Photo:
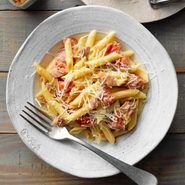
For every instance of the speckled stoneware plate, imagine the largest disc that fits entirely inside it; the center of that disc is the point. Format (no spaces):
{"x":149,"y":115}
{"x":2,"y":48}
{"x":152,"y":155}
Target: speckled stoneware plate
{"x":140,"y":9}
{"x":154,"y":121}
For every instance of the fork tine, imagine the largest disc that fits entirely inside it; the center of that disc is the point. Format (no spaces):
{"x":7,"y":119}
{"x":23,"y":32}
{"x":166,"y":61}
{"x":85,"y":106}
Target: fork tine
{"x":45,"y":122}
{"x":37,"y":120}
{"x":42,"y":112}
{"x":38,"y":126}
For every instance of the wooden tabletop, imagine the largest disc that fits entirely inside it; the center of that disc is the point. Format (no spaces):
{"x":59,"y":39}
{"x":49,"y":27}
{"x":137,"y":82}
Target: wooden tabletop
{"x":19,"y":166}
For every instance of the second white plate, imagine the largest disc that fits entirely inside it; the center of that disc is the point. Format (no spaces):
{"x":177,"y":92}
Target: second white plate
{"x":140,"y":9}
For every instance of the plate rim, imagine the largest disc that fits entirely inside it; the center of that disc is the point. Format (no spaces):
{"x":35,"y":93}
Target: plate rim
{"x":152,"y":20}
{"x":136,"y":22}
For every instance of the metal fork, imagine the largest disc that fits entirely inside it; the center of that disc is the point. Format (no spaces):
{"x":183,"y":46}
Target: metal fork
{"x":159,"y":3}
{"x":41,"y":121}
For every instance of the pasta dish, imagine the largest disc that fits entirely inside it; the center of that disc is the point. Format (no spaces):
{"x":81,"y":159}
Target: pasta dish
{"x":93,"y":86}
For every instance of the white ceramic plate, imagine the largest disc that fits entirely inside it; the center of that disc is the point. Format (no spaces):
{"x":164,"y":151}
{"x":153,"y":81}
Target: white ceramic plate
{"x":140,"y":9}
{"x":154,"y":121}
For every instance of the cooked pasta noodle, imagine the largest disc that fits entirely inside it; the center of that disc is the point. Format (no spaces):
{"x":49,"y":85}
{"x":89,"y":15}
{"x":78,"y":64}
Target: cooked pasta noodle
{"x":94,"y":87}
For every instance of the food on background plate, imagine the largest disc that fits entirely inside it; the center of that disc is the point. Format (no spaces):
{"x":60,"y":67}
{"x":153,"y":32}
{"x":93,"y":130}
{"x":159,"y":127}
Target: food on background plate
{"x":19,"y":1}
{"x":93,"y":87}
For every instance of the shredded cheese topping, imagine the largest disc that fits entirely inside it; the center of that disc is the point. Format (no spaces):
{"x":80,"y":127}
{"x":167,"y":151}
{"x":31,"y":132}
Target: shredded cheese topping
{"x":99,"y":95}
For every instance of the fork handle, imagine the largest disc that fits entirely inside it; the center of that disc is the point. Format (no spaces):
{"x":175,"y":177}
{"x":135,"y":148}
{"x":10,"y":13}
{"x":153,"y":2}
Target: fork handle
{"x":139,"y":176}
{"x":165,"y":1}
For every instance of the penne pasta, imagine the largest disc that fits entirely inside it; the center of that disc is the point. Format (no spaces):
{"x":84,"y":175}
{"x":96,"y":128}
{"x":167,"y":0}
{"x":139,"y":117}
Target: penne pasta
{"x":93,"y":87}
{"x":69,"y":54}
{"x":128,"y":53}
{"x":103,"y":60}
{"x":128,"y":93}
{"x":132,"y":123}
{"x":82,"y":42}
{"x":102,"y":43}
{"x":88,"y":134}
{"x":51,"y":64}
{"x":76,"y":130}
{"x":43,"y":73}
{"x":117,"y":133}
{"x":85,"y":94}
{"x":80,"y":64}
{"x":142,"y":73}
{"x":107,"y":133}
{"x":91,"y":39}
{"x":54,"y":104}
{"x":96,"y":132}
{"x":78,"y":113}
{"x":79,"y":73}
{"x":140,"y":105}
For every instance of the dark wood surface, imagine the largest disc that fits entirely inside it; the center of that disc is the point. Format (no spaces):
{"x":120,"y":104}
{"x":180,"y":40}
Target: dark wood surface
{"x":19,"y":166}
{"x":44,"y":5}
{"x":23,"y":167}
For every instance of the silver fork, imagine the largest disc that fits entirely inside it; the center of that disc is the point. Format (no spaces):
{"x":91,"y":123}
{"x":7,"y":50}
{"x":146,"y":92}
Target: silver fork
{"x":41,"y":121}
{"x":159,"y":3}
